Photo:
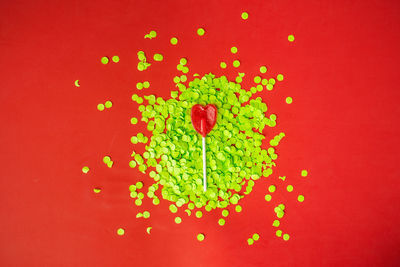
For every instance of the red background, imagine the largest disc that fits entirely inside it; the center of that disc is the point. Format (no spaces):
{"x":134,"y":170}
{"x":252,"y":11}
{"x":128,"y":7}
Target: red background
{"x":341,"y":71}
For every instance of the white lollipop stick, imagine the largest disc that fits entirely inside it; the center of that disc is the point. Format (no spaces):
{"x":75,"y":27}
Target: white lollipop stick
{"x":204,"y":165}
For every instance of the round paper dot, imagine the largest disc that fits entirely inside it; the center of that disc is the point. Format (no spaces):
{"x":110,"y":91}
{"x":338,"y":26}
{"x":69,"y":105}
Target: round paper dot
{"x":146,"y":84}
{"x":256,"y":236}
{"x":106,"y":159}
{"x":250,"y":241}
{"x":304,"y":173}
{"x":183,"y":61}
{"x":276,"y":223}
{"x":138,"y":202}
{"x":225,"y":213}
{"x":200,"y":237}
{"x":100,"y":107}
{"x":178,"y":220}
{"x":132,"y":164}
{"x":115,"y":59}
{"x":245,"y":15}
{"x":158,"y":57}
{"x":139,"y":86}
{"x":85,"y":169}
{"x":268,"y":197}
{"x":146,"y":214}
{"x":278,"y":233}
{"x":289,"y":188}
{"x":108,"y":104}
{"x":238,"y":208}
{"x":134,"y":120}
{"x":300,"y":198}
{"x":221,"y":222}
{"x":173,"y":208}
{"x":291,"y":38}
{"x":120,"y":231}
{"x":234,"y":49}
{"x":279,"y":77}
{"x":153,"y":34}
{"x":104,"y":60}
{"x":200,"y":31}
{"x":286,"y":237}
{"x":236,"y":63}
{"x":174,"y":40}
{"x":222,"y":65}
{"x":289,"y":100}
{"x":199,"y":214}
{"x":263,"y":69}
{"x":272,"y":188}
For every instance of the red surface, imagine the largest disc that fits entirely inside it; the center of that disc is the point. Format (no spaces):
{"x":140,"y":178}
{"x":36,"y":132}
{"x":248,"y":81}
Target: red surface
{"x":204,"y":118}
{"x":342,"y":72}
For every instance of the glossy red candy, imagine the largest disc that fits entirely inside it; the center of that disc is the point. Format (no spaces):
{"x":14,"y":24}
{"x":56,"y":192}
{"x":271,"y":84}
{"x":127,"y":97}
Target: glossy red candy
{"x":204,"y":118}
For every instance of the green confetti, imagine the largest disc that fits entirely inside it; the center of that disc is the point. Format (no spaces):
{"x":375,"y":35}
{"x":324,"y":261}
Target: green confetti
{"x":104,"y":60}
{"x":100,"y":107}
{"x":234,"y":49}
{"x":221,"y":221}
{"x":286,"y":237}
{"x":289,"y":100}
{"x":289,"y":188}
{"x":250,"y":241}
{"x":245,"y":15}
{"x":178,"y":220}
{"x":200,"y":31}
{"x":120,"y":231}
{"x":300,"y":198}
{"x":85,"y":169}
{"x":291,"y":38}
{"x":200,"y":237}
{"x":158,"y":57}
{"x":174,"y":41}
{"x":108,"y":104}
{"x":256,"y":237}
{"x":115,"y":59}
{"x":304,"y":173}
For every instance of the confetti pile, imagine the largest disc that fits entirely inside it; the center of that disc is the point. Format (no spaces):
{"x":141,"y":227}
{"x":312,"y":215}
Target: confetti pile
{"x":237,"y":153}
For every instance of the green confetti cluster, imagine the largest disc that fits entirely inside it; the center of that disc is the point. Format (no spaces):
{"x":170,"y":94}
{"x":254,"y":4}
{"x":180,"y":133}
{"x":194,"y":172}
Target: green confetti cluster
{"x":173,"y":157}
{"x":142,"y":64}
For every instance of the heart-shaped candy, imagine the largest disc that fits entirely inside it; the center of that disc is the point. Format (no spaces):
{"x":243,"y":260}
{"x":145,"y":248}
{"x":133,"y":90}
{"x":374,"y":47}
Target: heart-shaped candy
{"x":204,"y":118}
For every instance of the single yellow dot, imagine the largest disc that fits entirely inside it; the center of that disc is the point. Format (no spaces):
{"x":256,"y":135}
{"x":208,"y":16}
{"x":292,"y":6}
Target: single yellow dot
{"x":245,"y":15}
{"x":174,"y":41}
{"x":222,"y":65}
{"x":85,"y":169}
{"x":272,"y":188}
{"x":300,"y":198}
{"x":115,"y":59}
{"x":289,"y":100}
{"x":104,"y":60}
{"x":236,"y":63}
{"x":304,"y":173}
{"x":268,"y":197}
{"x":286,"y":237}
{"x":200,"y":237}
{"x":263,"y":69}
{"x":97,"y":190}
{"x":108,"y":104}
{"x":234,"y":50}
{"x":289,"y":188}
{"x":291,"y":38}
{"x":100,"y":107}
{"x":279,"y":77}
{"x":120,"y":231}
{"x":200,"y":31}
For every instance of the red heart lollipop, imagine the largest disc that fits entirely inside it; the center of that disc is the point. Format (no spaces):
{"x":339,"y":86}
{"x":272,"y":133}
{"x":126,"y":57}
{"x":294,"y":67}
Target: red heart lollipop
{"x":204,"y":118}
